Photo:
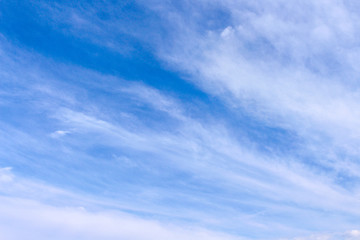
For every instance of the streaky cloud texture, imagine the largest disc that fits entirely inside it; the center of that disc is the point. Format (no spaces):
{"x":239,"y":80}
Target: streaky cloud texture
{"x":179,"y":120}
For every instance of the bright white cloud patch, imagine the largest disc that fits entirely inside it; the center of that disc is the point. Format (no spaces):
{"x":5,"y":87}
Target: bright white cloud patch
{"x":59,"y":133}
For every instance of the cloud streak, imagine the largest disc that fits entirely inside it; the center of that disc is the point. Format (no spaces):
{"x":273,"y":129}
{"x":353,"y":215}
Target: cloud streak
{"x":211,"y":162}
{"x":40,"y":220}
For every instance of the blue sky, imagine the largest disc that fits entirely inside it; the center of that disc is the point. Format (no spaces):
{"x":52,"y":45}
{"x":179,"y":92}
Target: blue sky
{"x":180,"y":120}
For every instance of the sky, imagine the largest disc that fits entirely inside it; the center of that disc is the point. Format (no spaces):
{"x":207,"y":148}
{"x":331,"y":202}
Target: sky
{"x":179,"y":119}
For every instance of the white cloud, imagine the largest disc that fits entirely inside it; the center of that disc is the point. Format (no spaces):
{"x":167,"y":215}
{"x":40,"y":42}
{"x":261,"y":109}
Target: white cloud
{"x":285,"y":197}
{"x":348,"y":235}
{"x":227,"y":32}
{"x":290,"y":68}
{"x":40,"y":220}
{"x":5,"y":175}
{"x":59,"y":133}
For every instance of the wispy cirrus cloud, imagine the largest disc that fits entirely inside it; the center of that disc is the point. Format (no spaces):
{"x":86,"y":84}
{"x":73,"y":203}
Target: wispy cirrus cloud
{"x":292,"y":70}
{"x":71,"y":220}
{"x":206,"y":156}
{"x":269,"y":152}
